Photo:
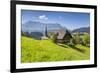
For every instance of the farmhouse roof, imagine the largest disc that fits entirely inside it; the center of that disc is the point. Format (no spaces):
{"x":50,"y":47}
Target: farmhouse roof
{"x":61,"y":33}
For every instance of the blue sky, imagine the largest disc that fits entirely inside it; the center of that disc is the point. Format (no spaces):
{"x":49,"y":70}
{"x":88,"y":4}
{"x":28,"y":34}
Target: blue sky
{"x":70,"y":20}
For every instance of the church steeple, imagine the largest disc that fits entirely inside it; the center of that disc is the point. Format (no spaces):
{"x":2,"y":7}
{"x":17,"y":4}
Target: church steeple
{"x":45,"y":36}
{"x":46,"y":31}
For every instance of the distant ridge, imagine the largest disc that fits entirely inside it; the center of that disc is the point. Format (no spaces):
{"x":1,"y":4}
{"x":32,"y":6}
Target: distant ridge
{"x":34,"y":26}
{"x":82,"y":30}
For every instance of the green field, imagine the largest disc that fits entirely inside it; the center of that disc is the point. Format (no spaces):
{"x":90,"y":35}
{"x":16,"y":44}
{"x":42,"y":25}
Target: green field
{"x":45,"y":51}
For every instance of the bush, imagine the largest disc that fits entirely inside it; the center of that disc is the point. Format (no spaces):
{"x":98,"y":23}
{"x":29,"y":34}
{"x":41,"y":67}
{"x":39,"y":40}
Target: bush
{"x":76,"y":38}
{"x":86,"y":39}
{"x":72,"y":42}
{"x":54,"y":38}
{"x":23,"y":33}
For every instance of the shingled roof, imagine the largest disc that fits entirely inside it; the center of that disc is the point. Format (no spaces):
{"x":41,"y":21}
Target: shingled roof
{"x":61,"y":33}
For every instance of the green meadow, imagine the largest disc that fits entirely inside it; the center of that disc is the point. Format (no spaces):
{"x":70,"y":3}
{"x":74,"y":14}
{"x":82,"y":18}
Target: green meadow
{"x":46,"y":51}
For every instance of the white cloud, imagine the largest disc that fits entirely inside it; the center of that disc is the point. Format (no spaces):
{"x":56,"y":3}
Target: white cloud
{"x":43,"y":17}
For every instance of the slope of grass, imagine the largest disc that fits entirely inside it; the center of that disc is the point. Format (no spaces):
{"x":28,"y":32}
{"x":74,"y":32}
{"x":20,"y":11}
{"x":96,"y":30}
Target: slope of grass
{"x":45,"y":50}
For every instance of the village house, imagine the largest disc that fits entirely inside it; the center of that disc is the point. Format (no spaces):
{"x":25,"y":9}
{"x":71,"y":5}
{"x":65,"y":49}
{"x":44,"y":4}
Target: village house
{"x":63,"y":36}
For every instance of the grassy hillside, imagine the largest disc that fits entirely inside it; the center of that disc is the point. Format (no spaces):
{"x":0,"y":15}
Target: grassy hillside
{"x":45,"y":50}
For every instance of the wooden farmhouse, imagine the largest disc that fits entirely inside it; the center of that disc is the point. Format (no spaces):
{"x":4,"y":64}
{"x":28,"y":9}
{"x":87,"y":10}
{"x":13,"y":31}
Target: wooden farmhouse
{"x":63,"y":36}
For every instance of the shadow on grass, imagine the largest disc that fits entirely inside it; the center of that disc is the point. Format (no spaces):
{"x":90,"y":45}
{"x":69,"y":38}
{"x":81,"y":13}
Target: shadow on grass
{"x":63,"y":46}
{"x":73,"y":47}
{"x":78,"y":49}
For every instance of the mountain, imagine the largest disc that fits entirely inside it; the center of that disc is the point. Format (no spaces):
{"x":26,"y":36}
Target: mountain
{"x":33,"y":26}
{"x":82,"y":30}
{"x":37,"y":29}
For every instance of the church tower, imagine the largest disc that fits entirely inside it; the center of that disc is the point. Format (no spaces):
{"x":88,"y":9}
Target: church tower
{"x":45,"y":36}
{"x":46,"y":33}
